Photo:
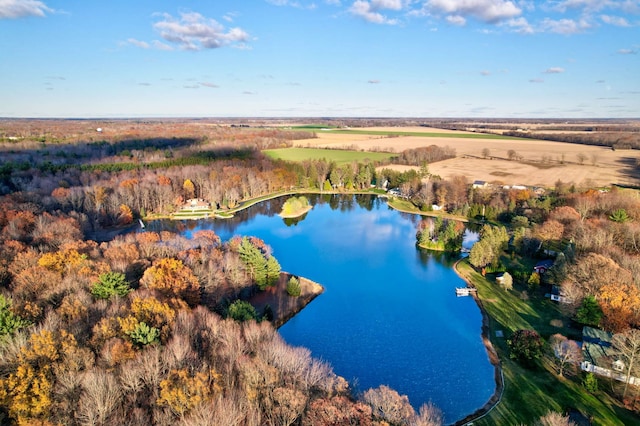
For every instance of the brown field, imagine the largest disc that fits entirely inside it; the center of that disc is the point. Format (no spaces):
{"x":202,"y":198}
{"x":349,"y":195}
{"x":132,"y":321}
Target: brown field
{"x":543,"y":162}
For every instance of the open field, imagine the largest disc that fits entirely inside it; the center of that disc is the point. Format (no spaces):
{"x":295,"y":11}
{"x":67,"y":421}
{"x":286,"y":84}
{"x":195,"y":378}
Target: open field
{"x":543,"y":162}
{"x":339,"y":156}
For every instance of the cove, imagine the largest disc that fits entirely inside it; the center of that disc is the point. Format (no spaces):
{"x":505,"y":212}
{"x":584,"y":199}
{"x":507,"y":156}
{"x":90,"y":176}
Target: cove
{"x":389,"y":314}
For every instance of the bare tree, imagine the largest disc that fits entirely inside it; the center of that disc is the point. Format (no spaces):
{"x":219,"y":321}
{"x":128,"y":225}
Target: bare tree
{"x":512,"y":154}
{"x":100,"y":398}
{"x":553,"y":418}
{"x":581,"y":157}
{"x":627,"y":346}
{"x":388,"y":405}
{"x":486,"y":152}
{"x":428,"y":415}
{"x":566,"y":351}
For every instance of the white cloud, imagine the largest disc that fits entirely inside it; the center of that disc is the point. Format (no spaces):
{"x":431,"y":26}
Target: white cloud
{"x":211,"y":85}
{"x":536,"y":80}
{"x":519,"y":25}
{"x":14,"y":9}
{"x":456,"y":20}
{"x":192,"y":31}
{"x":627,"y":52}
{"x":564,"y":26}
{"x":369,"y":12}
{"x":387,"y":4}
{"x":485,"y":73}
{"x":554,"y":70}
{"x":138,"y":43}
{"x":373,"y":81}
{"x":490,"y":11}
{"x":618,"y":21}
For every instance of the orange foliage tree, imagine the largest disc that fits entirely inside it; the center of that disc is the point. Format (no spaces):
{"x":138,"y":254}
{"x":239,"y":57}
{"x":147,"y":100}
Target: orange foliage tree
{"x":172,"y":278}
{"x":620,"y":305}
{"x":183,"y":390}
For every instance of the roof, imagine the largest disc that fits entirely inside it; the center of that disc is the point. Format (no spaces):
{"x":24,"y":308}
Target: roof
{"x":596,"y":346}
{"x":595,"y":335}
{"x":547,"y":263}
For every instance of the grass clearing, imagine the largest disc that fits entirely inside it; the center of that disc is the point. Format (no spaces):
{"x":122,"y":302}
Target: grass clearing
{"x":529,"y":394}
{"x":337,"y":155}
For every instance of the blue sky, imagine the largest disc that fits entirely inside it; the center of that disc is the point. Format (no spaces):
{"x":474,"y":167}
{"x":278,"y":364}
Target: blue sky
{"x":334,"y":58}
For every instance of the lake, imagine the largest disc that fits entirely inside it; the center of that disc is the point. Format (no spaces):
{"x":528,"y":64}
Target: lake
{"x":389,"y":314}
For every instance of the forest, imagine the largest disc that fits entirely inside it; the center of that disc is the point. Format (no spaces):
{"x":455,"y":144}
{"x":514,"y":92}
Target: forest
{"x":139,"y":328}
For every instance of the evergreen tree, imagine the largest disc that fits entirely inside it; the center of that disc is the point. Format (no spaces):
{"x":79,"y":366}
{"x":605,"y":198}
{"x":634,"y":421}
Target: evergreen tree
{"x":589,"y":312}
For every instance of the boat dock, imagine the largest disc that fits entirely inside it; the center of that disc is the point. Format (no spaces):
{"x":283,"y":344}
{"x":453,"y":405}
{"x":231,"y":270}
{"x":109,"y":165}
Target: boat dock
{"x":465,"y":291}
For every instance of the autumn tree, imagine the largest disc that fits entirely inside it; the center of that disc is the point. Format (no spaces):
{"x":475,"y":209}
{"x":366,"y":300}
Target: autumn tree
{"x":550,"y":230}
{"x":172,"y":278}
{"x":189,"y":189}
{"x":620,"y":305}
{"x":183,"y":390}
{"x":125,"y":216}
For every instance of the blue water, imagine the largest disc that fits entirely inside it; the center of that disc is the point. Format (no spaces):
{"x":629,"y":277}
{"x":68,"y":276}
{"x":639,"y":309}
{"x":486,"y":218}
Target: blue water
{"x":389,"y":314}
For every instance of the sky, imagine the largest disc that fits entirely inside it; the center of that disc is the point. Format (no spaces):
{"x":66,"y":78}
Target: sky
{"x":320,"y":58}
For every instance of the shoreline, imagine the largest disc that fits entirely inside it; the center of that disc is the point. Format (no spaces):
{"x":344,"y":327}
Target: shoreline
{"x":494,"y":359}
{"x":227,"y":214}
{"x":285,"y":307}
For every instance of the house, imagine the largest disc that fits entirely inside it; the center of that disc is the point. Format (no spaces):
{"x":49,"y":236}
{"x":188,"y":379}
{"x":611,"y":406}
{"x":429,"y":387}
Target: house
{"x":557,"y":295}
{"x":479,"y":184}
{"x":600,"y":358}
{"x":196,"y":204}
{"x":543,"y":266}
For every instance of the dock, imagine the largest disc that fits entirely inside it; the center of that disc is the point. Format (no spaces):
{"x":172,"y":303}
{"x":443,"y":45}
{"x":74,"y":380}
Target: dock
{"x":465,"y":291}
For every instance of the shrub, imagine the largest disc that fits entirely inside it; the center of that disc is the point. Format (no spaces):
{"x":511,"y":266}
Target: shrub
{"x":525,"y":346}
{"x":590,"y":383}
{"x":9,"y":322}
{"x":143,"y":334}
{"x":293,"y":287}
{"x":241,"y":311}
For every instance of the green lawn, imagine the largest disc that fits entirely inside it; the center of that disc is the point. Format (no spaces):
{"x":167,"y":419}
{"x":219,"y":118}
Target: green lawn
{"x":529,"y":394}
{"x":338,"y":155}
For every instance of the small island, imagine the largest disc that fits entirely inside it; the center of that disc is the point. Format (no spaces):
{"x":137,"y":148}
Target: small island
{"x":440,"y":234}
{"x":295,"y":207}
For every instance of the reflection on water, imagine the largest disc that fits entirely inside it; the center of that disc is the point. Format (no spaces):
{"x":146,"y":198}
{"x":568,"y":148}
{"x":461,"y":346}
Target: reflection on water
{"x":389,"y":314}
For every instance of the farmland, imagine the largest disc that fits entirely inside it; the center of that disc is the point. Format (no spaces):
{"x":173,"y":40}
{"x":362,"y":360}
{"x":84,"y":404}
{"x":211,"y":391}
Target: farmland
{"x":540,"y":162}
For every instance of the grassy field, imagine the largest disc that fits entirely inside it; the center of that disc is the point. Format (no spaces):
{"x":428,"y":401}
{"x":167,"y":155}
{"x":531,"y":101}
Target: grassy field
{"x":529,"y":394}
{"x":339,"y":156}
